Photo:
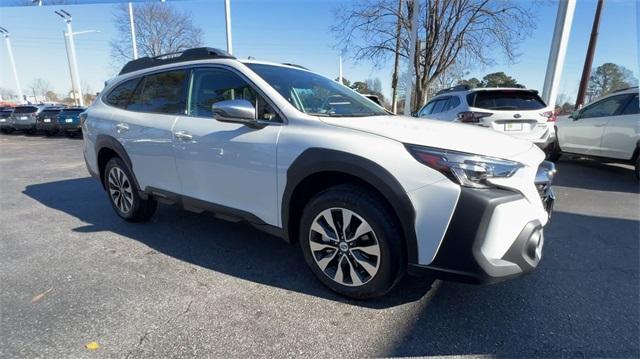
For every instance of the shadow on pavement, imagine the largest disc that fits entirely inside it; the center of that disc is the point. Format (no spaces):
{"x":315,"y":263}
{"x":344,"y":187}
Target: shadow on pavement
{"x":593,"y":175}
{"x":573,"y":305}
{"x":235,"y":249}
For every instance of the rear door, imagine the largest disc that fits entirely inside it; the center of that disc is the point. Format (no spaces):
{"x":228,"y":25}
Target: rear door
{"x":583,"y":134}
{"x":145,"y":127}
{"x":621,"y":132}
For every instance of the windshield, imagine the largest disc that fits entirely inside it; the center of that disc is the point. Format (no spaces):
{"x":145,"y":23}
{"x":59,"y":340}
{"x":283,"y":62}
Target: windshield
{"x":314,"y":94}
{"x":71,"y":112}
{"x":25,"y":109}
{"x":505,"y":100}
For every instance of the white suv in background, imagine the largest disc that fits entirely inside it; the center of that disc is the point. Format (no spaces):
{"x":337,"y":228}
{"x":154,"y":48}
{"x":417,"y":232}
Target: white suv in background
{"x":515,"y":111}
{"x":607,"y":129}
{"x":369,"y":196}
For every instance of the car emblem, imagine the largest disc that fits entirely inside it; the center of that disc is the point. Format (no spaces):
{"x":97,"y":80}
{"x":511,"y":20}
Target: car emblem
{"x":517,"y":115}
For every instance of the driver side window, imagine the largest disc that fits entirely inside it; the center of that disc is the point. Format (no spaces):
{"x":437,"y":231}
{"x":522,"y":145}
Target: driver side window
{"x":604,"y":108}
{"x":211,"y":85}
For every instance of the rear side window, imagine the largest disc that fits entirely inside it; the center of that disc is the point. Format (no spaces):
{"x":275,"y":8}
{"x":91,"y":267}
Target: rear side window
{"x":439,"y":105}
{"x":505,"y":100}
{"x":25,"y":109}
{"x":633,"y":107}
{"x":454,"y":102}
{"x":121,"y":95}
{"x":161,"y":93}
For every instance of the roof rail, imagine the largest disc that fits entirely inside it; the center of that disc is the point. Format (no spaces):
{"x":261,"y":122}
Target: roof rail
{"x":294,"y":65}
{"x":625,"y":89}
{"x":454,"y":88}
{"x":198,"y":53}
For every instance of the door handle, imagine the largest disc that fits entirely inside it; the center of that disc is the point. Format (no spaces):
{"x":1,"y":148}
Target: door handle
{"x":600,"y":125}
{"x":183,"y":136}
{"x":122,"y":127}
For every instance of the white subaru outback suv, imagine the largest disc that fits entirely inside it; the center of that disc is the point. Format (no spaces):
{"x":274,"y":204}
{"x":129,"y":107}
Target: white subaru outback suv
{"x":518,"y":112}
{"x":369,"y":196}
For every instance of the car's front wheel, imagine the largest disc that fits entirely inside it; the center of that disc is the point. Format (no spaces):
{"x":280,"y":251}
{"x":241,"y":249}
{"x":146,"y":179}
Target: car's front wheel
{"x":123,"y":194}
{"x":351,"y":241}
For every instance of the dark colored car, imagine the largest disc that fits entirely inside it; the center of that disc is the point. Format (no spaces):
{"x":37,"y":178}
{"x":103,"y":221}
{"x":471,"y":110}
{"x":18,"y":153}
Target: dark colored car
{"x":47,"y":120}
{"x":23,"y":118}
{"x":69,"y":121}
{"x":5,"y":126}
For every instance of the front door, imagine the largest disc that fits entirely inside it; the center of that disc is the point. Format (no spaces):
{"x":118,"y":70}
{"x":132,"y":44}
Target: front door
{"x":223,"y":163}
{"x":620,"y":137}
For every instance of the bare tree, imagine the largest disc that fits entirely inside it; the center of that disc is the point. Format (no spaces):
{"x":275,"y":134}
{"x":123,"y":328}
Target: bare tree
{"x":40,"y":87}
{"x":159,"y":27}
{"x":7,"y":94}
{"x":464,"y":32}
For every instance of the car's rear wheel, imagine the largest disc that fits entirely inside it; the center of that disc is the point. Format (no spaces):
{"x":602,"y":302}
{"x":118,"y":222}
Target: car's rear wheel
{"x":123,"y":194}
{"x":350,"y":239}
{"x":553,"y":151}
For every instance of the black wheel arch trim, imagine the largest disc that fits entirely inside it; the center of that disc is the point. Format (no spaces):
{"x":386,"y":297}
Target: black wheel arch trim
{"x":108,"y":142}
{"x":317,"y":160}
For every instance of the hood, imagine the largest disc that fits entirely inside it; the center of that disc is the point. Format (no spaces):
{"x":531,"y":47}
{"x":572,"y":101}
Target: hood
{"x":438,"y":134}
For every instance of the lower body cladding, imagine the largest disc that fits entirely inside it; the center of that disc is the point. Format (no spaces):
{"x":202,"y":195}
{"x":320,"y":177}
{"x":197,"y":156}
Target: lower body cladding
{"x":493,"y":235}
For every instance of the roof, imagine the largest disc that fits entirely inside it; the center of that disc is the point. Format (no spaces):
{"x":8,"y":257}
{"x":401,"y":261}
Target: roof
{"x":198,"y":53}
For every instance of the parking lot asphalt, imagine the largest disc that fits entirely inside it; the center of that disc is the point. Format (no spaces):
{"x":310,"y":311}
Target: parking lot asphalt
{"x":185,"y":284}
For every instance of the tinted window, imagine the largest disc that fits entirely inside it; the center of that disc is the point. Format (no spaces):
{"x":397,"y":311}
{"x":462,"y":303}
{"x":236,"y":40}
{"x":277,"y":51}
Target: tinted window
{"x":25,"y":109}
{"x":606,"y":107}
{"x":427,"y":108}
{"x":161,"y":93}
{"x":439,"y":105}
{"x":505,"y":100}
{"x":633,"y":107}
{"x":209,"y":86}
{"x":454,"y":102}
{"x":121,"y":95}
{"x":49,"y":112}
{"x":71,"y":112}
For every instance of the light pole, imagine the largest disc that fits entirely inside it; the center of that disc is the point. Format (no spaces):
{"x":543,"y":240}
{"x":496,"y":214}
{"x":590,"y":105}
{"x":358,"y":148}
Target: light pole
{"x":6,"y":34}
{"x":72,"y":50}
{"x":412,"y":55}
{"x":133,"y":32}
{"x":227,"y":16}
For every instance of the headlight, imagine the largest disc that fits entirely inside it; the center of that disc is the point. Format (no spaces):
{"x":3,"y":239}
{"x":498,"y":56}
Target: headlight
{"x":466,"y":169}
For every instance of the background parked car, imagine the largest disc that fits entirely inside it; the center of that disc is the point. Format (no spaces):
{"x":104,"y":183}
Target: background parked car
{"x":516,"y":111}
{"x":69,"y":121}
{"x":5,"y":126}
{"x":23,"y":118}
{"x":47,"y":120}
{"x":606,"y":129}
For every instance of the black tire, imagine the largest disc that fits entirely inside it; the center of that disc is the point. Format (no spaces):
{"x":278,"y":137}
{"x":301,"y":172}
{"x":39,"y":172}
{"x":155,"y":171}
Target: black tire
{"x":50,"y":133}
{"x":386,"y":232}
{"x":553,"y":151}
{"x":138,"y":209}
{"x":637,"y":169}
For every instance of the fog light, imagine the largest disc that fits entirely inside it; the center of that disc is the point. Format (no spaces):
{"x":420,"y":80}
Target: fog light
{"x":533,"y":243}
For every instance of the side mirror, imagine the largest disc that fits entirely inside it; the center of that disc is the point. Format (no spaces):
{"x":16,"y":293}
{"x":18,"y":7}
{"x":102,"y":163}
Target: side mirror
{"x":414,"y":114}
{"x":235,"y":111}
{"x":575,"y":115}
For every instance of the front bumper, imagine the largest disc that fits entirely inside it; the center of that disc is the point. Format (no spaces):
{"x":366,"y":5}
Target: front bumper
{"x":492,"y":236}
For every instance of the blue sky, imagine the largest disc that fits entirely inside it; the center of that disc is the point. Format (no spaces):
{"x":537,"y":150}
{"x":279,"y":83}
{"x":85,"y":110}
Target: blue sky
{"x":292,"y":31}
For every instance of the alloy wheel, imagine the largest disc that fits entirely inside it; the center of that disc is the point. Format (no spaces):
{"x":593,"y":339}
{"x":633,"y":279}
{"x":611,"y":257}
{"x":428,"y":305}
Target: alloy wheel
{"x":120,"y":190}
{"x":344,"y":246}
